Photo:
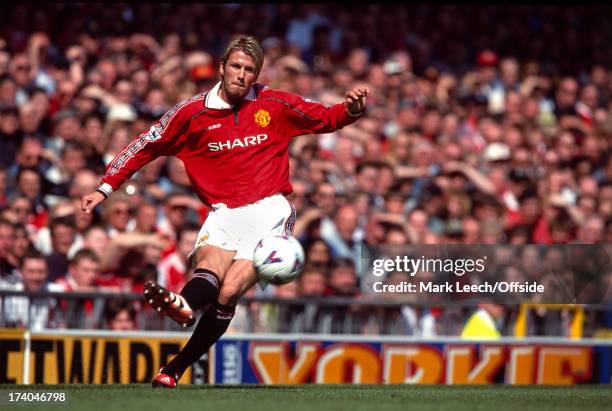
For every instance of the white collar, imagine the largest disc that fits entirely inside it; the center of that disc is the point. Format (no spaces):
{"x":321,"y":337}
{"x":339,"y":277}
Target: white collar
{"x":214,"y":101}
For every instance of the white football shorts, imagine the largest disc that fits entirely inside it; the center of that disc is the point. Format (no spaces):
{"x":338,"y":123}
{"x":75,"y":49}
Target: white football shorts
{"x":240,"y":229}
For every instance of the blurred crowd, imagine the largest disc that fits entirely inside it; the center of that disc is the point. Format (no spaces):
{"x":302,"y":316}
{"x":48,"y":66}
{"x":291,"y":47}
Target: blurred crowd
{"x":485,"y":125}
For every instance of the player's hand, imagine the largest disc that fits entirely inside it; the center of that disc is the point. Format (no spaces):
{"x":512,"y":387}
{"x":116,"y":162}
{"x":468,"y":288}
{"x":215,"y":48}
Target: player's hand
{"x":356,"y":100}
{"x":91,"y":200}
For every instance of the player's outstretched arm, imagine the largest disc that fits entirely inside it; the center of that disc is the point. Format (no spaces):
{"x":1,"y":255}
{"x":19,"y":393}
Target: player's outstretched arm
{"x":164,"y":138}
{"x":91,"y":200}
{"x":304,"y":116}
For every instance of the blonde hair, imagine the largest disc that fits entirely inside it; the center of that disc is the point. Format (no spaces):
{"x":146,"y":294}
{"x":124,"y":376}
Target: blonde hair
{"x":249,"y":46}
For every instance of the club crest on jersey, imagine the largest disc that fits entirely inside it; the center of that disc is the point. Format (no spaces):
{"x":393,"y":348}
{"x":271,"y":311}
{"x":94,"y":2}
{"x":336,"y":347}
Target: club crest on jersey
{"x":262,"y":118}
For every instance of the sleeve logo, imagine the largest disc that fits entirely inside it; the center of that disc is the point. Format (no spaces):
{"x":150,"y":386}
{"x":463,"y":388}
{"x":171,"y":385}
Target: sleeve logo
{"x":262,"y":118}
{"x":153,"y":134}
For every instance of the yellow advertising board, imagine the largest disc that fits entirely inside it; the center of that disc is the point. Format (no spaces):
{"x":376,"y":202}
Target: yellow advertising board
{"x":85,"y":358}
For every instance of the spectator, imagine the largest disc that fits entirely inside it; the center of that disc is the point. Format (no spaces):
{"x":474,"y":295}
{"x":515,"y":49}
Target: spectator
{"x":29,"y":184}
{"x":63,"y":234}
{"x":7,"y":238}
{"x":120,"y":315}
{"x":117,"y":214}
{"x":35,"y":313}
{"x":591,"y":231}
{"x":343,"y":279}
{"x":317,"y":253}
{"x":82,"y":276}
{"x":339,"y":234}
{"x":71,"y":161}
{"x":483,"y":324}
{"x":176,"y":208}
{"x":173,"y":269}
{"x":83,"y":271}
{"x":3,"y":187}
{"x":96,"y":239}
{"x":10,"y":134}
{"x":343,"y":283}
{"x":313,"y":282}
{"x":7,"y":90}
{"x":19,"y":248}
{"x":31,"y":121}
{"x":22,"y":209}
{"x":325,"y":199}
{"x":29,"y":155}
{"x":130,"y":259}
{"x":565,"y":97}
{"x":21,"y":72}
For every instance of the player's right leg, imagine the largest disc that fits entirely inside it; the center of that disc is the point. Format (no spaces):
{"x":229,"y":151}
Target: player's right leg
{"x":199,"y":292}
{"x":234,"y":229}
{"x":215,"y":321}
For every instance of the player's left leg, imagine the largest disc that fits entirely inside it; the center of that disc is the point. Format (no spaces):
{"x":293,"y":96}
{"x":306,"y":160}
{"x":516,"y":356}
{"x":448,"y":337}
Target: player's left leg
{"x":212,"y":325}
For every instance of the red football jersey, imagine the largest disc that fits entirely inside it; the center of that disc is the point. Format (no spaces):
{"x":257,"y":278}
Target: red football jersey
{"x":233,"y":155}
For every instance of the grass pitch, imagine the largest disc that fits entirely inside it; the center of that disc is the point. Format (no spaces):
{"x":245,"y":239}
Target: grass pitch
{"x":323,"y":397}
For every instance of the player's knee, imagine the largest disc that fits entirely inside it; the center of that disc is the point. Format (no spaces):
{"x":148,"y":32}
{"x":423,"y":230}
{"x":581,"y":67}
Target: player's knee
{"x":213,"y":259}
{"x":230,"y":293}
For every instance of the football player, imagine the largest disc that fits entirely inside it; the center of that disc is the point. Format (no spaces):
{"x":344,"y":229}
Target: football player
{"x":233,"y":140}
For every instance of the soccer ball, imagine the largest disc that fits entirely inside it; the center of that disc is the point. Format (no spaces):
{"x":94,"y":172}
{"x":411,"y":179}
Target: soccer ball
{"x":278,"y":259}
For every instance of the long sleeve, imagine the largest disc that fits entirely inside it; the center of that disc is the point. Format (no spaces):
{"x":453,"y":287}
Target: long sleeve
{"x":162,"y":139}
{"x":304,"y":116}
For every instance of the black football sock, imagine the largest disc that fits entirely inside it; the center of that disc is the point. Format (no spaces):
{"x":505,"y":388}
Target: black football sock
{"x":210,"y":328}
{"x":202,"y":289}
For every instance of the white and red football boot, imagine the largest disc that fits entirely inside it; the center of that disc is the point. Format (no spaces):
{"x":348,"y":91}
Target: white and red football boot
{"x":166,"y":302}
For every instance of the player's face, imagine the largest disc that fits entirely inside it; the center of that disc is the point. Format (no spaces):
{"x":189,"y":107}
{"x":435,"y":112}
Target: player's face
{"x":238,"y":75}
